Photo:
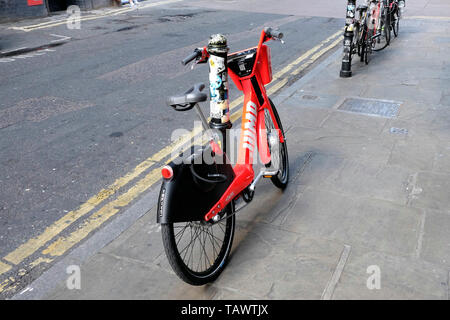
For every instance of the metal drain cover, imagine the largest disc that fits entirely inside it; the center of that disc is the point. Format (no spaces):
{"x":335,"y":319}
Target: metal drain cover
{"x":381,"y":108}
{"x":394,"y":130}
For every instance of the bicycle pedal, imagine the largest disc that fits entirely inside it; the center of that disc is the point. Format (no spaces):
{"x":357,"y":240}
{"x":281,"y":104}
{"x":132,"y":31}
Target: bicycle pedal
{"x":262,"y":173}
{"x":270,"y":174}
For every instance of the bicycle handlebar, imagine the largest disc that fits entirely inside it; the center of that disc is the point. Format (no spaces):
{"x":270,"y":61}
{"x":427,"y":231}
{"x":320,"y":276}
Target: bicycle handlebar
{"x":196,"y":54}
{"x":273,"y":33}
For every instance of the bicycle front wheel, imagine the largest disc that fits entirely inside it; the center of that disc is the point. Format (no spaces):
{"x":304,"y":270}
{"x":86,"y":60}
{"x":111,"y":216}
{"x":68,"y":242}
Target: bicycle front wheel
{"x":278,"y":151}
{"x":198,"y":251}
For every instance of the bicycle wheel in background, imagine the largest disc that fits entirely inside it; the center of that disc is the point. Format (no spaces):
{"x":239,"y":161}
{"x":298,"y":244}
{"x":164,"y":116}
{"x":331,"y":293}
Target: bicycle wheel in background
{"x":363,"y":44}
{"x":368,"y":45}
{"x":356,"y":47}
{"x":198,"y":251}
{"x":383,"y":37}
{"x":396,"y":21}
{"x":387,"y":24}
{"x":367,"y":51}
{"x":361,"y":50}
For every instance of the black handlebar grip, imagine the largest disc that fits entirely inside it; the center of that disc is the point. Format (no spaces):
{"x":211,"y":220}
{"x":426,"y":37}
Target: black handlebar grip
{"x":273,"y":33}
{"x":191,"y":57}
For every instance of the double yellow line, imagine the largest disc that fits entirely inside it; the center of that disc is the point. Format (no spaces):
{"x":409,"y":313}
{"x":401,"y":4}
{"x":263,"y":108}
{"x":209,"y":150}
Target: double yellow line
{"x":63,"y":243}
{"x":111,"y":13}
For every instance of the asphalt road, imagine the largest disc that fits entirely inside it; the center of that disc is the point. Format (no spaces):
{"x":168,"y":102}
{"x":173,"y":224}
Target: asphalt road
{"x":81,"y":115}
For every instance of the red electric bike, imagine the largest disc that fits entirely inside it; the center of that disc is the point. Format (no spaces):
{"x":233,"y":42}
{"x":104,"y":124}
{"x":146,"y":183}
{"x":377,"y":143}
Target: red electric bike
{"x":201,"y":193}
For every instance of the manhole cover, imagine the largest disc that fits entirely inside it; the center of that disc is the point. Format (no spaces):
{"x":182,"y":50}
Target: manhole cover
{"x":381,"y":108}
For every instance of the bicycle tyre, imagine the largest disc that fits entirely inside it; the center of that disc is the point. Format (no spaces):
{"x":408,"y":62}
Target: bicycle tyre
{"x":183,"y":269}
{"x":356,"y":44}
{"x":367,"y":52}
{"x":396,"y":23}
{"x":387,"y":25}
{"x":363,"y":46}
{"x":282,"y":178}
{"x":362,"y":49}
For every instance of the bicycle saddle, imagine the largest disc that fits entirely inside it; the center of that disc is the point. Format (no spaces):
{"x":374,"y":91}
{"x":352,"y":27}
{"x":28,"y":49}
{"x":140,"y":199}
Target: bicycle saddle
{"x":189,"y":99}
{"x":362,"y":7}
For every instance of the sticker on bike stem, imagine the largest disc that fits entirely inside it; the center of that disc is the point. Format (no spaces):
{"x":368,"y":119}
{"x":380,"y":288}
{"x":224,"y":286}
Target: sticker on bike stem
{"x":218,"y":83}
{"x":215,"y":85}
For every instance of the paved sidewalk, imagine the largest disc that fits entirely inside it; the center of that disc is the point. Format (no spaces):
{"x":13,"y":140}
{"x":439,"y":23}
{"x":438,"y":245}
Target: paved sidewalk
{"x":367,"y":192}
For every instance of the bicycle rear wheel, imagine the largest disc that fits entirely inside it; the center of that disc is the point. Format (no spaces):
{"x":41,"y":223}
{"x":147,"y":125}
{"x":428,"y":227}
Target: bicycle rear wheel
{"x":278,"y":151}
{"x":198,"y":251}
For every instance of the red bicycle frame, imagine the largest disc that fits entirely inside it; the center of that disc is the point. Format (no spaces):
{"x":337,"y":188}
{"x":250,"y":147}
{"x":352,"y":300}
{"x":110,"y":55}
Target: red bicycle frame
{"x":376,"y":12}
{"x":253,"y":134}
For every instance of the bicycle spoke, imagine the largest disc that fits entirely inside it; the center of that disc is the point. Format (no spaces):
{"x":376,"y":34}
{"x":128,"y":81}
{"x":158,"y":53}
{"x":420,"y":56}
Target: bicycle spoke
{"x":182,"y":233}
{"x":192,"y":241}
{"x":191,"y":257}
{"x":199,"y":260}
{"x":186,"y":247}
{"x":204,"y":250}
{"x":220,"y":224}
{"x":211,"y":236}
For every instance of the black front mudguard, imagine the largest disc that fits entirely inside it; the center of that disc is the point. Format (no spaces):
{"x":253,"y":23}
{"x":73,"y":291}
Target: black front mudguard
{"x":185,"y":197}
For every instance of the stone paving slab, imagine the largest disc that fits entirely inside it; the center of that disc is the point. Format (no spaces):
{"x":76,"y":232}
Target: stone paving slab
{"x":401,"y":278}
{"x":435,"y":246}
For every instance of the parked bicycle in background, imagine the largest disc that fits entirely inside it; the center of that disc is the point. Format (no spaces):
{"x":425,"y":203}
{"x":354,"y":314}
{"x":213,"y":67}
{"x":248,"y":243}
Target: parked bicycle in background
{"x":368,"y":28}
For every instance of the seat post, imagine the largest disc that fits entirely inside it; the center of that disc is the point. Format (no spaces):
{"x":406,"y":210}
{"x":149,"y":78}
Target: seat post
{"x":202,"y":117}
